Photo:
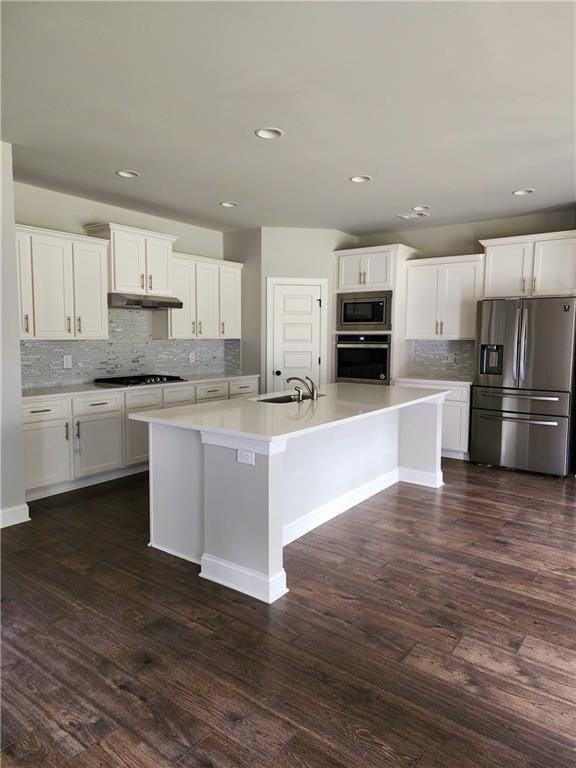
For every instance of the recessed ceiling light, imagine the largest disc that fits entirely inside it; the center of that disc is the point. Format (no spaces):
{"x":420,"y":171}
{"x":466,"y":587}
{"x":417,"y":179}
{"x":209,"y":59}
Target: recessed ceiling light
{"x":415,"y":215}
{"x":522,"y":192}
{"x":269,"y":133}
{"x":128,"y":174}
{"x":420,"y":208}
{"x":360,"y":179}
{"x":229,"y":204}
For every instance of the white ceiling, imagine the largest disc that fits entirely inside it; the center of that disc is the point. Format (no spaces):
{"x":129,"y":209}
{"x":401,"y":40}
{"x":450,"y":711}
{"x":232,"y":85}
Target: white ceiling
{"x":451,"y":104}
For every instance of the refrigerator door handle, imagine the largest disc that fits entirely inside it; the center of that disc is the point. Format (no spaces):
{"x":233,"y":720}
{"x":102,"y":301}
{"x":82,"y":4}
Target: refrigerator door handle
{"x":531,"y":422}
{"x":523,"y":335}
{"x":551,"y":399}
{"x":516,"y":342}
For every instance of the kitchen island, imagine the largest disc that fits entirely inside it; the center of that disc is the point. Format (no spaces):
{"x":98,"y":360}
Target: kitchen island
{"x":232,"y":482}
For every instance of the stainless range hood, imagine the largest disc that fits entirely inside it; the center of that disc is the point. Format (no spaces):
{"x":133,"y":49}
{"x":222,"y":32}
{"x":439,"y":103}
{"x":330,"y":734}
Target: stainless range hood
{"x":142,"y":301}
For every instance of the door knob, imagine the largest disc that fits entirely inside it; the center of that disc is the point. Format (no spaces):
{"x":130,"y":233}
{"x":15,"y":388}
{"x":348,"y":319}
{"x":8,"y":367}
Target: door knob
{"x":278,"y":373}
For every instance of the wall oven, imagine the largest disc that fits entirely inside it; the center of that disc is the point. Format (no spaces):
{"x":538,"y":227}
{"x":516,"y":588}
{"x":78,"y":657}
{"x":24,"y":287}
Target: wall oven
{"x":364,"y":312}
{"x":363,"y":358}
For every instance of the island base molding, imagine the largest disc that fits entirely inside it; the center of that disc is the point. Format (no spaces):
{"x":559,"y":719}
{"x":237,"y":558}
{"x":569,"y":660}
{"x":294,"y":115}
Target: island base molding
{"x":249,"y":582}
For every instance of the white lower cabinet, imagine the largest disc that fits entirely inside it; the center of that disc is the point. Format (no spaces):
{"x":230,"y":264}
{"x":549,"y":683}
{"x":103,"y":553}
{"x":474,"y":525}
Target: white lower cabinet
{"x":97,"y":443}
{"x":75,"y":436}
{"x":455,"y":413}
{"x":47,"y":451}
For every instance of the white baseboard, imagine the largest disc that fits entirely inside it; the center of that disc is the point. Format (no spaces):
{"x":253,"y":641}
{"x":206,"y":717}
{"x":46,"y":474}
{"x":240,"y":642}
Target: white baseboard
{"x":14,"y":515}
{"x":245,"y":580}
{"x":82,"y":482}
{"x":417,"y":477}
{"x":308,"y":522}
{"x":174,"y":552}
{"x":461,"y":455}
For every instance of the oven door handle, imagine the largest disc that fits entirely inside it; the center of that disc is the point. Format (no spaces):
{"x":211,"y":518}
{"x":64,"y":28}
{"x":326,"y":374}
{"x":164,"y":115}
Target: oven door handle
{"x":362,"y":346}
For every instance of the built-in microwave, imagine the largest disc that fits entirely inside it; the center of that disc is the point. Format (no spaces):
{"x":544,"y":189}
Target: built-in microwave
{"x":370,"y":311}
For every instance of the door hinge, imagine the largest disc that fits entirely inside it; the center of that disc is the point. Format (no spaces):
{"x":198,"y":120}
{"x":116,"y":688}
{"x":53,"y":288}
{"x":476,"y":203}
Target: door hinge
{"x":319,"y":361}
{"x":319,"y":302}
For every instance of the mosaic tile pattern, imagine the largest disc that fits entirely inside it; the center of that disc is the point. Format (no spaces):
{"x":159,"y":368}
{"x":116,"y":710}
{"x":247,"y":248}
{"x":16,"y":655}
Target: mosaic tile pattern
{"x":130,"y":349}
{"x":431,"y":358}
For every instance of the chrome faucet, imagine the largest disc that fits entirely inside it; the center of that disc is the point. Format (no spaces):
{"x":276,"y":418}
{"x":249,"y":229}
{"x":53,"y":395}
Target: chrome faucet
{"x":311,"y":388}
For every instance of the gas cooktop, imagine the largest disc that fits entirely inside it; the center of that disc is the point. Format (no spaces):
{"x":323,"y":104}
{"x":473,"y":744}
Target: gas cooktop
{"x":137,"y":380}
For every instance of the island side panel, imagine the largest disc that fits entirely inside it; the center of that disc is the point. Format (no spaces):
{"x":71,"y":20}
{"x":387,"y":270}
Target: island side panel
{"x":243,"y":522}
{"x":332,"y":470}
{"x":176,"y":491}
{"x":421,"y":443}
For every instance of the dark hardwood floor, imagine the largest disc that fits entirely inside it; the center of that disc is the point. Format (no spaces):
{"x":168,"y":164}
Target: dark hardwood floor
{"x":428,"y":629}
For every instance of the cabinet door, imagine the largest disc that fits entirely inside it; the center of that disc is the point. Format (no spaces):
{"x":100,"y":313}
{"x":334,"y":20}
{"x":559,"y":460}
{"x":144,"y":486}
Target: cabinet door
{"x":422,"y":283}
{"x":455,"y":426}
{"x":47,"y":457}
{"x":158,"y":258}
{"x":207,"y":310}
{"x":508,"y":269}
{"x":25,"y":301}
{"x":97,"y":443}
{"x":53,"y":287}
{"x":136,"y":440}
{"x":128,"y":262}
{"x":90,"y":290}
{"x":183,"y":321}
{"x":350,"y":272}
{"x":554,"y":267}
{"x":230,"y":302}
{"x":460,"y":288}
{"x":376,"y":269}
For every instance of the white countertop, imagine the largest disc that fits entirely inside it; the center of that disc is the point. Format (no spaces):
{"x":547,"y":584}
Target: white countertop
{"x":74,"y":389}
{"x":436,"y":378}
{"x":255,"y":419}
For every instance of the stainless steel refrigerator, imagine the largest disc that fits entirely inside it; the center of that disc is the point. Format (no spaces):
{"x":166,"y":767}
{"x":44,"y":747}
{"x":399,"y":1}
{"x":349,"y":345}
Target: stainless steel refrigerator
{"x":522,"y":402}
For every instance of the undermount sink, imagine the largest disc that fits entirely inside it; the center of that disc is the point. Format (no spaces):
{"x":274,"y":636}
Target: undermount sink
{"x":286,"y":399}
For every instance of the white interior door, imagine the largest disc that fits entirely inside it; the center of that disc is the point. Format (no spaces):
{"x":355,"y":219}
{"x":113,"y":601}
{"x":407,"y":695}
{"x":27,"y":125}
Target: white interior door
{"x":90,"y":287}
{"x":296,"y":329}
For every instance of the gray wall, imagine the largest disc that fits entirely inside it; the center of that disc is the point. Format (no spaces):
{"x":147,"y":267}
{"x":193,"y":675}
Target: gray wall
{"x":130,"y":349}
{"x":11,"y":444}
{"x":461,"y":239}
{"x":54,"y":210}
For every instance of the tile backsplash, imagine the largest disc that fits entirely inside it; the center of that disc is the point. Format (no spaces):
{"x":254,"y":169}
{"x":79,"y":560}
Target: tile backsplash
{"x":130,"y":348}
{"x":431,"y":358}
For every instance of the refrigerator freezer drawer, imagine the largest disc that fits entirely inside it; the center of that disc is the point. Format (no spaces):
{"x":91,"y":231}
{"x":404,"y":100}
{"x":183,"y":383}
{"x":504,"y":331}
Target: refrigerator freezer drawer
{"x":517,"y":441}
{"x":521,"y":401}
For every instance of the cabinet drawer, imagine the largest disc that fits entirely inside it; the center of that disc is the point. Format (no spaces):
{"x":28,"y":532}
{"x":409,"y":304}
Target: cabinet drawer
{"x":89,"y":406}
{"x":459,"y":394}
{"x":243,"y":387}
{"x":456,"y":394}
{"x":45,"y":410}
{"x":177,"y":395}
{"x":212,"y":391}
{"x":149,"y":398}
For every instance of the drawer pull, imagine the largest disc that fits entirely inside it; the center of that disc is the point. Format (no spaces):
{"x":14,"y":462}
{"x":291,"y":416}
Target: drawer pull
{"x":27,"y":323}
{"x":92,"y":405}
{"x":142,"y":281}
{"x":42,"y":410}
{"x":68,"y":324}
{"x":79,"y":321}
{"x":211,"y":391}
{"x":244,"y":386}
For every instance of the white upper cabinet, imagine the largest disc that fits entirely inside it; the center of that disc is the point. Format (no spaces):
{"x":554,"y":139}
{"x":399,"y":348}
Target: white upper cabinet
{"x":554,"y":267}
{"x":53,"y":287}
{"x":183,"y":321}
{"x":62,"y":284}
{"x":364,"y":269}
{"x":508,"y":270}
{"x":139,"y":260}
{"x":90,"y":281}
{"x":422,"y":301}
{"x":441,"y":297}
{"x":207,"y":300}
{"x":158,"y":259}
{"x":230,"y":302}
{"x":25,"y":293}
{"x":532,"y":265}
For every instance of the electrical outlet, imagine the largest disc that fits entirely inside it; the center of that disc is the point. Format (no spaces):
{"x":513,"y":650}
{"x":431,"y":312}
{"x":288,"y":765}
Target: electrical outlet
{"x":192,"y":357}
{"x":246,"y":457}
{"x":67,"y":361}
{"x":450,"y":357}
